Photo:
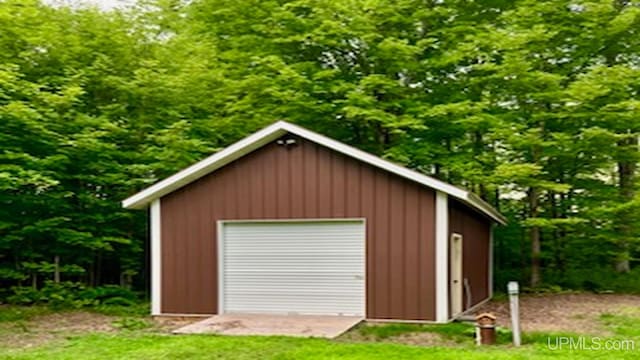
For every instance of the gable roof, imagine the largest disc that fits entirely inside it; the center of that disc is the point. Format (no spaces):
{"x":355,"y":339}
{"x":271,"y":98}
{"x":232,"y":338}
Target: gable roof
{"x":273,"y":132}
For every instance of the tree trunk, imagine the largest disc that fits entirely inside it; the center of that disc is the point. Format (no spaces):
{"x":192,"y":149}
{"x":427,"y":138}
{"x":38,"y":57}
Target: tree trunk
{"x":92,"y":274}
{"x":626,"y":178}
{"x":478,"y":149}
{"x":98,"y":278}
{"x":534,"y":236}
{"x":555,"y":239}
{"x":56,"y":269}
{"x":565,"y":201}
{"x":482,"y":191}
{"x":534,"y":230}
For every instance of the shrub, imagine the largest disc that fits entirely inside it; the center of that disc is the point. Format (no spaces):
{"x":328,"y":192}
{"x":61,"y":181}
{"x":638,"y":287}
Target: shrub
{"x":601,"y":280}
{"x":119,"y":301}
{"x":106,"y":293}
{"x":72,"y":295}
{"x":65,"y":295}
{"x":23,"y":295}
{"x":130,"y":310}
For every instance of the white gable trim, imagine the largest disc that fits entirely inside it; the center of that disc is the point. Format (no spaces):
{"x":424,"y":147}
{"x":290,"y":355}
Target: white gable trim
{"x":274,"y":131}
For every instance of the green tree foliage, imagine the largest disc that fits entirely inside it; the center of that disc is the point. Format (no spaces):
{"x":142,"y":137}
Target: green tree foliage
{"x":67,"y":155}
{"x":532,"y":105}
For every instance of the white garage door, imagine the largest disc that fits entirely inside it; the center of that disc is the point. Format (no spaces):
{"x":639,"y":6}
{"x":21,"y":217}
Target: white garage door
{"x":293,"y":267}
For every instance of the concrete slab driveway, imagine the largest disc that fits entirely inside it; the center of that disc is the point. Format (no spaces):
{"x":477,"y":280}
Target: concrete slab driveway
{"x":259,"y":324}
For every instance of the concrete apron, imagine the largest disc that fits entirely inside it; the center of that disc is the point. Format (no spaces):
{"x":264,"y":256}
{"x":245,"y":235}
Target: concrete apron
{"x":261,"y":324}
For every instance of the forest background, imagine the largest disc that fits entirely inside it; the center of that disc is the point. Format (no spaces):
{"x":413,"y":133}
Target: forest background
{"x":531,"y":104}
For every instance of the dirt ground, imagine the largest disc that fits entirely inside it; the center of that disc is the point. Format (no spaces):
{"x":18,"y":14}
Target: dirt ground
{"x":52,"y":327}
{"x":422,"y":339}
{"x":46,"y":328}
{"x":576,"y":313}
{"x":410,"y":338}
{"x":168,"y":324}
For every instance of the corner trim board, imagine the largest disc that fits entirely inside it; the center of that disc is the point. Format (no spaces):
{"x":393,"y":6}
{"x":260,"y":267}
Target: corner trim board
{"x":156,"y":254}
{"x":442,"y":257}
{"x":490,"y":271}
{"x":220,"y":260}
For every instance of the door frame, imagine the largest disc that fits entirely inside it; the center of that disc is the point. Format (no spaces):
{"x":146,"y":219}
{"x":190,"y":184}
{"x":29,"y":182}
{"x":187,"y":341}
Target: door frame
{"x":220,"y":248}
{"x":456,"y":289}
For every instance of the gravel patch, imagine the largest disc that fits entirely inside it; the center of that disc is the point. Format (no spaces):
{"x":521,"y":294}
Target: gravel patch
{"x":577,"y":313}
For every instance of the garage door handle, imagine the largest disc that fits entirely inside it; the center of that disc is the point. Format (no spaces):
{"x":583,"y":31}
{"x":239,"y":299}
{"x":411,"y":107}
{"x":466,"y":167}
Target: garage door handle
{"x":358,"y":277}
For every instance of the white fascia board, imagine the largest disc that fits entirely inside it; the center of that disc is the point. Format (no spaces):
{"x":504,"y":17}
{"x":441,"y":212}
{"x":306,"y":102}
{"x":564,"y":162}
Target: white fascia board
{"x":476,"y":202}
{"x":202,"y":168}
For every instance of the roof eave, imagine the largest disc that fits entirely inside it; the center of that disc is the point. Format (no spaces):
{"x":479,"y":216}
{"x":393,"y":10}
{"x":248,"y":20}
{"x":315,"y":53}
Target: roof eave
{"x":477,"y":202}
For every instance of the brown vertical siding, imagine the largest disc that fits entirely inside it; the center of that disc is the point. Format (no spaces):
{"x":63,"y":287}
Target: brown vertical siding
{"x":426,"y":250}
{"x":476,"y":231}
{"x":411,"y":258}
{"x":305,"y":181}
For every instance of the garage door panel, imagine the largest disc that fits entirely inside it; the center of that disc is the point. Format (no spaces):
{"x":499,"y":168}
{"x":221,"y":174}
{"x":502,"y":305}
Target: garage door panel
{"x":311,"y":265}
{"x":309,"y":296}
{"x":294,"y":267}
{"x":277,"y":281}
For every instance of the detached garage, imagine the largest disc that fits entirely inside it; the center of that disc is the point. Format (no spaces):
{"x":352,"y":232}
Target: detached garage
{"x":287,"y":221}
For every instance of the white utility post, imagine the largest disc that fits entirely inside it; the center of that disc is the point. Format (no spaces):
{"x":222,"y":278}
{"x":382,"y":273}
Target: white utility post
{"x":512,"y":288}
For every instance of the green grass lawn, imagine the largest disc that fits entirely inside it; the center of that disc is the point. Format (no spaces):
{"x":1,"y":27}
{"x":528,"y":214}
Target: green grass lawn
{"x":139,"y":346}
{"x":136,"y":337}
